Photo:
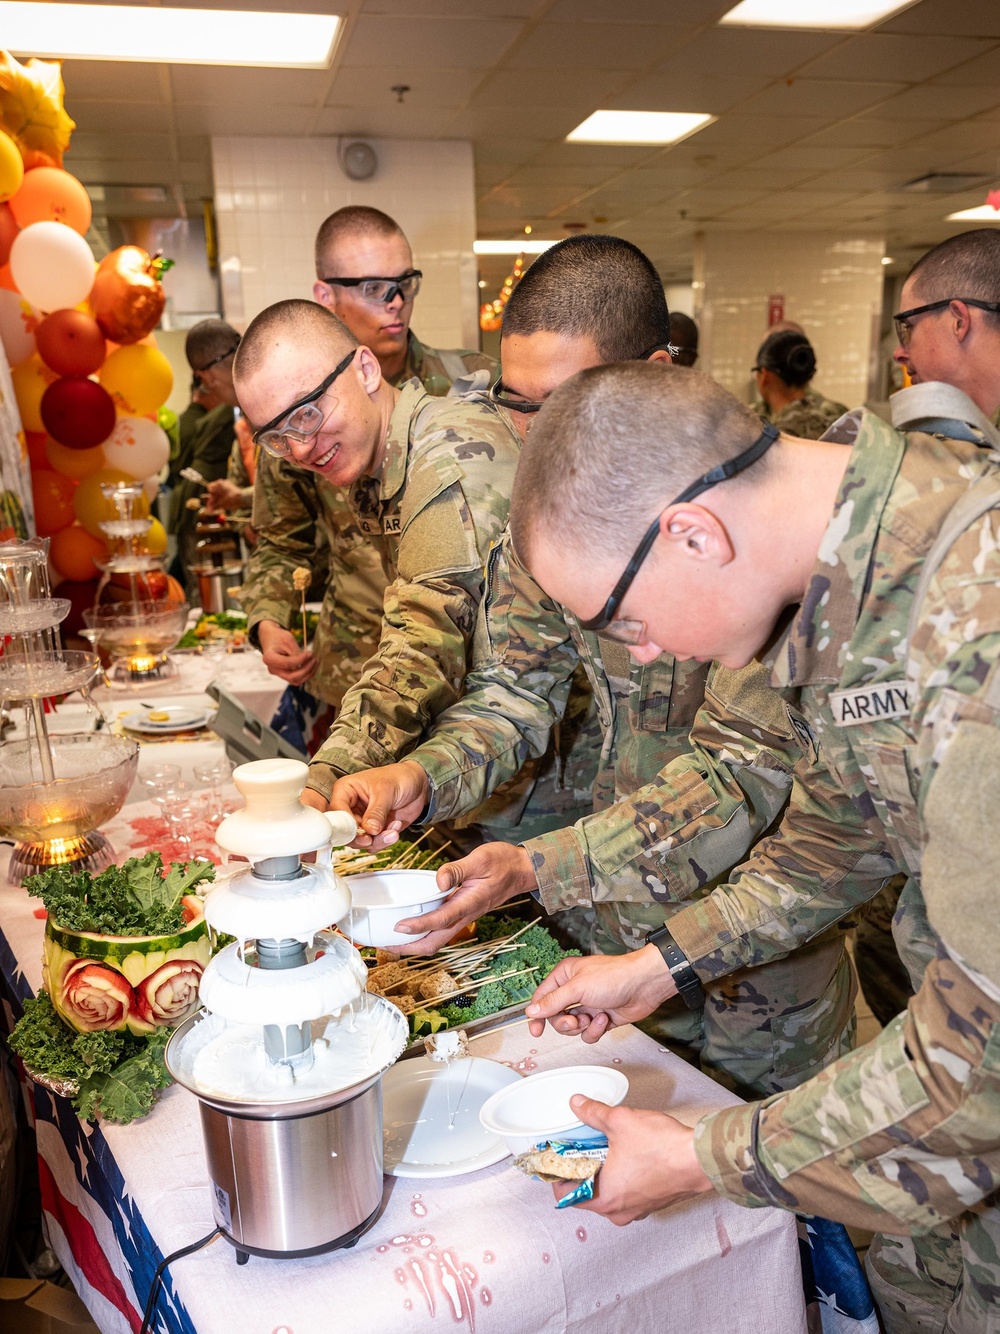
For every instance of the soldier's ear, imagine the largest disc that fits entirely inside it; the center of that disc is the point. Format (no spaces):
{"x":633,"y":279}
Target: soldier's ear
{"x":695,"y":533}
{"x":371,"y":372}
{"x":323,"y":295}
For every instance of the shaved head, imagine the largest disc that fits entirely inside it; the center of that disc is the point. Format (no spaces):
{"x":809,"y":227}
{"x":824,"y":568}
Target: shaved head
{"x":298,"y":322}
{"x":616,"y":443}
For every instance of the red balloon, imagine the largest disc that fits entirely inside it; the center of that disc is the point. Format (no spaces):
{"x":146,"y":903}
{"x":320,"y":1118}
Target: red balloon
{"x":82,"y":597}
{"x":53,"y":497}
{"x":37,"y":457}
{"x":72,"y":343}
{"x":78,"y":413}
{"x":8,"y":230}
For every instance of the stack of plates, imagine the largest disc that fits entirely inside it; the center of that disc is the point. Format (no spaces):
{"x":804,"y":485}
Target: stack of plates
{"x":161,"y":720}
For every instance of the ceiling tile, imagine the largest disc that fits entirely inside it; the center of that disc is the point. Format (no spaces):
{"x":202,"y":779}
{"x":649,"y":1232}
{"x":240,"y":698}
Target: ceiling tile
{"x":763,"y":131}
{"x":493,"y":9}
{"x":389,"y":122}
{"x":869,"y":130}
{"x":984,"y":70}
{"x":735,"y":52}
{"x":948,"y":18}
{"x":546,"y":88}
{"x":429,"y":43}
{"x":102,"y":79}
{"x":229,"y":86}
{"x":550,"y":122}
{"x":810,"y":155}
{"x":953,"y":103}
{"x":882,"y":55}
{"x":358,"y":86}
{"x":581,"y":176}
{"x":260,"y":118}
{"x":819,"y":97}
{"x":609,"y":155}
{"x":142,"y":117}
{"x":775,"y":179}
{"x":583,"y":46}
{"x":687,"y":92}
{"x":503,"y":149}
{"x":690,"y":14}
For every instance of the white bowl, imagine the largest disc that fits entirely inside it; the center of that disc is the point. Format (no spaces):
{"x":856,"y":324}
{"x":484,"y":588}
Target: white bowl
{"x":537,"y":1109}
{"x":380,"y":899}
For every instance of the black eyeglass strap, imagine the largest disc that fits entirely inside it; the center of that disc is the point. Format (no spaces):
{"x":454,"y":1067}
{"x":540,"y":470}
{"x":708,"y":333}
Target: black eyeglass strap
{"x":723,"y":471}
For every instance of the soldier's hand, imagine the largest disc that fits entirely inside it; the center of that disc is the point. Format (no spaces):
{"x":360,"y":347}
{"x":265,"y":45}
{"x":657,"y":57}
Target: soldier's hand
{"x":223,"y":495}
{"x":487,"y":877}
{"x":651,"y":1162}
{"x":383,"y":801}
{"x":588,"y":996}
{"x":283,"y":655}
{"x":310,"y":797}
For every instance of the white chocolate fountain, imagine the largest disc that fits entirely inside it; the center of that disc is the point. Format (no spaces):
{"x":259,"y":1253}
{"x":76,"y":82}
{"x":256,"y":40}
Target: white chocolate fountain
{"x":287,"y":1055}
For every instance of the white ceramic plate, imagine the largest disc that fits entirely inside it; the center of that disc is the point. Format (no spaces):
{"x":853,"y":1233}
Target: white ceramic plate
{"x":182,"y":718}
{"x":422,"y":1098}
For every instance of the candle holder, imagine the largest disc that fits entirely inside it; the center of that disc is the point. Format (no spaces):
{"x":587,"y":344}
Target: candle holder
{"x":54,"y":789}
{"x":135,"y":621}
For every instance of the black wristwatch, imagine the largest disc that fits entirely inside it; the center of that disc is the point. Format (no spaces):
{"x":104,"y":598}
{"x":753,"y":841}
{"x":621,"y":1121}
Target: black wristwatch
{"x":685,"y":978}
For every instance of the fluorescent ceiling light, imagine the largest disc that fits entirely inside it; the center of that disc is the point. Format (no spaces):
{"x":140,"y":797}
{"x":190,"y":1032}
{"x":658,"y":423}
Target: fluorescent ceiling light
{"x":835,"y":14}
{"x":638,"y":127}
{"x":981,"y":213}
{"x":521,"y":245}
{"x":169,"y":36}
{"x":888,"y":259}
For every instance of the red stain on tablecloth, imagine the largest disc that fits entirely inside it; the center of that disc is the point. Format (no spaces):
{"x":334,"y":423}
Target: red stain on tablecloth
{"x":442,"y":1280}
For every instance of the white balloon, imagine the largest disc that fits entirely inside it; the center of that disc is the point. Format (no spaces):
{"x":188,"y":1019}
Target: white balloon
{"x":18,"y":322}
{"x":137,"y":446}
{"x":52,"y":265}
{"x":151,"y":486}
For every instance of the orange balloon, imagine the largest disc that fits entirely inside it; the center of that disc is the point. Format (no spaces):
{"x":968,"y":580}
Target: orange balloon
{"x":127,"y":297}
{"x":53,"y":497}
{"x":75,"y":553}
{"x":92,"y":508}
{"x":50,"y":194}
{"x":8,"y":230}
{"x":75,"y":463}
{"x":7,"y":278}
{"x":31,"y":379}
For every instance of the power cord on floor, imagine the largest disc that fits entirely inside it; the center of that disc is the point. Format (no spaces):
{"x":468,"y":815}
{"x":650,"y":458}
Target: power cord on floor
{"x":154,"y":1287}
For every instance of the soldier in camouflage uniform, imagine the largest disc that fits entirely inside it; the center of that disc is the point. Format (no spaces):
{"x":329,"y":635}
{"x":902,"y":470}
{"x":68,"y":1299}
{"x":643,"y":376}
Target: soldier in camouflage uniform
{"x":300,"y":517}
{"x":785,"y":364}
{"x":891,"y":663}
{"x":759,"y":1032}
{"x":430,"y":484}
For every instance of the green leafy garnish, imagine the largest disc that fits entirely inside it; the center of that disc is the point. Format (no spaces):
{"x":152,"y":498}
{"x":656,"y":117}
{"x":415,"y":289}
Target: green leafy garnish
{"x":129,"y":1090}
{"x":134,"y":899}
{"x":117,"y":1074}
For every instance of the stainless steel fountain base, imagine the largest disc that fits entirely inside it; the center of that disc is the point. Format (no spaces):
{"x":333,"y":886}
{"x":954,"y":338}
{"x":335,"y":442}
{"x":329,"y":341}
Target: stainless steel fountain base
{"x":88,"y":852}
{"x":296,"y":1184}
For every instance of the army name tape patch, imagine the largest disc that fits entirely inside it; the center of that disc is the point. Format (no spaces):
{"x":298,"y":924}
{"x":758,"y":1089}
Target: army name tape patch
{"x":867,"y":704}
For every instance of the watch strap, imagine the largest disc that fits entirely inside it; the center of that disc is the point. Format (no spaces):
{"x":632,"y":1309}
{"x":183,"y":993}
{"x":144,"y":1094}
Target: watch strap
{"x":686,"y":980}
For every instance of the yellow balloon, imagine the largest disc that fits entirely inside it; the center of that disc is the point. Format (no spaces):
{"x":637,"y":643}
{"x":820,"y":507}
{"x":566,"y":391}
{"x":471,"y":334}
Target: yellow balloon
{"x":155,"y":541}
{"x":11,"y":167}
{"x":92,"y":508}
{"x":73,"y":462}
{"x":138,"y":378}
{"x":31,"y":379}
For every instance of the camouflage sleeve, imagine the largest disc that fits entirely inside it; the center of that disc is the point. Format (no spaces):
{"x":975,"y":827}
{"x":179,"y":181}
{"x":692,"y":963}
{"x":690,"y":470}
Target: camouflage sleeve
{"x":524,"y":660}
{"x":429,"y":615}
{"x":899,"y":1136}
{"x":820,"y":863}
{"x":903,"y":1134}
{"x":286,"y":514}
{"x":700,"y":815}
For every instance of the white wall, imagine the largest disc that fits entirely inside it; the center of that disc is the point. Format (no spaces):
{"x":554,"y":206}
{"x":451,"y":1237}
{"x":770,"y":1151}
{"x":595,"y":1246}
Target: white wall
{"x":832,"y":286}
{"x":271,"y":194}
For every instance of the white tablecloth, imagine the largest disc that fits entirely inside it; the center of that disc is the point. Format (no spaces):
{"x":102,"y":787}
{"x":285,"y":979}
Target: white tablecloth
{"x":485,"y":1252}
{"x":242,"y":675}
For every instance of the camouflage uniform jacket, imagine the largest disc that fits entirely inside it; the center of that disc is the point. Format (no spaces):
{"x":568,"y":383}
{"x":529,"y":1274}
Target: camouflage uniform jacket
{"x":302,"y":520}
{"x":439,"y":502}
{"x":900,"y":686}
{"x":516,"y":696}
{"x":808,"y":417}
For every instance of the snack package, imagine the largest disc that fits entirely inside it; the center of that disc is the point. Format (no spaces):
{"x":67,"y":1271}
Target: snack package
{"x":566,"y":1160}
